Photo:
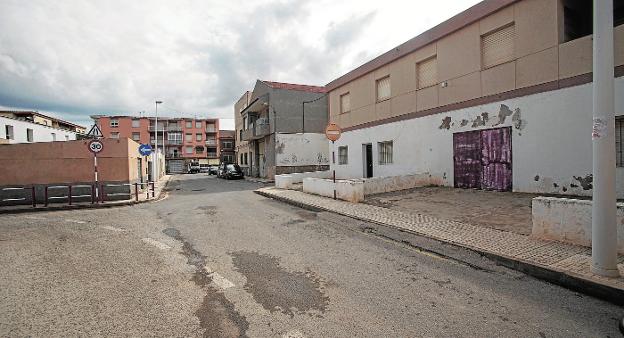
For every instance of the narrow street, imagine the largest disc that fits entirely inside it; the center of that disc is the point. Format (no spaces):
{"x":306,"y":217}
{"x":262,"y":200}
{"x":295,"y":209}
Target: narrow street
{"x":215,"y":259}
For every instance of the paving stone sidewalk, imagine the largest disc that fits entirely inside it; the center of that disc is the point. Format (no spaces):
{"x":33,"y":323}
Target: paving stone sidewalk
{"x":558,"y":262}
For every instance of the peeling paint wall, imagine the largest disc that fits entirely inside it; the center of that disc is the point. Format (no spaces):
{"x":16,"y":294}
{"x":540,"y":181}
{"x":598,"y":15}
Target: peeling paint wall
{"x":296,"y":150}
{"x":551,"y":141}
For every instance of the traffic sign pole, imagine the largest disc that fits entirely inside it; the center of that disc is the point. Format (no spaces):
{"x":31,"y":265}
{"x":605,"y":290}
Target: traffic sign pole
{"x":95,"y":146}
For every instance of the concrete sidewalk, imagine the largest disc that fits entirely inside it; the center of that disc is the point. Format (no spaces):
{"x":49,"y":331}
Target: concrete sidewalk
{"x":559,"y":263}
{"x":159,"y":187}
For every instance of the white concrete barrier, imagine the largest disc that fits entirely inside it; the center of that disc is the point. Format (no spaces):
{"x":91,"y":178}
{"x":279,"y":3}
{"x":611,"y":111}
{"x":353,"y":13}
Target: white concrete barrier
{"x":286,"y":181}
{"x":378,"y":185}
{"x":569,"y":220}
{"x":348,"y":190}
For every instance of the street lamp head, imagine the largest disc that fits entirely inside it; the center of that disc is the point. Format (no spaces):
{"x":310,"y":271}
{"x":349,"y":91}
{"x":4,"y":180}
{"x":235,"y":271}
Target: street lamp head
{"x":159,"y":102}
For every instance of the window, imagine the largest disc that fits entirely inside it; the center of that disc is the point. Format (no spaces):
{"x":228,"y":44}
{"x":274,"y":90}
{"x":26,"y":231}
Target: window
{"x":345,"y":103}
{"x":66,"y":137}
{"x":427,"y":73}
{"x":246,"y":158}
{"x":114,"y":135}
{"x":498,"y":47}
{"x":241,"y":159}
{"x":343,"y":155}
{"x":619,"y":139}
{"x":29,"y":135}
{"x":53,"y":137}
{"x":198,"y":124}
{"x":199,"y":149}
{"x":198,"y":137}
{"x":383,"y":88}
{"x":189,"y":150}
{"x":245,"y":123}
{"x":385,"y":152}
{"x":240,"y":135}
{"x":8,"y":129}
{"x":114,"y":123}
{"x":228,"y":158}
{"x":136,"y":123}
{"x":136,"y":136}
{"x":189,"y":124}
{"x":188,"y":137}
{"x":227,"y":144}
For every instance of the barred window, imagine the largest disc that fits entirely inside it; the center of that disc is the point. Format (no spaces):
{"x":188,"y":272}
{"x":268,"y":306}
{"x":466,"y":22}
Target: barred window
{"x":383,"y":88}
{"x":345,"y":103}
{"x":385,"y":152}
{"x":343,"y":155}
{"x":427,"y":73}
{"x":619,"y":135}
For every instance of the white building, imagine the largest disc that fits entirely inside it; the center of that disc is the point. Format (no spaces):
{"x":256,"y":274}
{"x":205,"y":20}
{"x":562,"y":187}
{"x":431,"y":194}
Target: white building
{"x":498,"y":97}
{"x":21,"y":131}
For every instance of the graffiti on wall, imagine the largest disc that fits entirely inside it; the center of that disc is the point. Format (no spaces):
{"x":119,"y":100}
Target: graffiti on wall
{"x":301,"y":149}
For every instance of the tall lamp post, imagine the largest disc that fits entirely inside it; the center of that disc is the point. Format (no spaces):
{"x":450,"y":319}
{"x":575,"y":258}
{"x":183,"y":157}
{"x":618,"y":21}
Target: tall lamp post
{"x":156,"y":174}
{"x":604,"y":225}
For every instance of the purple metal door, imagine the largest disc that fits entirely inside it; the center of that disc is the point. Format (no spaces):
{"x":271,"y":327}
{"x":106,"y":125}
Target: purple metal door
{"x":496,"y":159}
{"x":467,"y":159}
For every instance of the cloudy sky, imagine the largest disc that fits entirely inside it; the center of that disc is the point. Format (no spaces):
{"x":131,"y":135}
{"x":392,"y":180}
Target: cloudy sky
{"x":74,"y":58}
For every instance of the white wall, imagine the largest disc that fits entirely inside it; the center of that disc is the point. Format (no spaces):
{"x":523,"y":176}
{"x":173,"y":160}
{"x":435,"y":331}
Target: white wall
{"x":41,"y":133}
{"x":551,"y":141}
{"x":301,"y":149}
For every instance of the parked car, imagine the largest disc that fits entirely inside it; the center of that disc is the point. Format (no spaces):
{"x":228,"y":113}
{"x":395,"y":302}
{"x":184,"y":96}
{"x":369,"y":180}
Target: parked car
{"x":229,"y":171}
{"x":204,"y":168}
{"x":213,"y":170}
{"x":193,"y":168}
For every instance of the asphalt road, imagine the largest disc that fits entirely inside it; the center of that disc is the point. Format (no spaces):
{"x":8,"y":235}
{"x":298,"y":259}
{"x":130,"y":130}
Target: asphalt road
{"x":217,"y":260}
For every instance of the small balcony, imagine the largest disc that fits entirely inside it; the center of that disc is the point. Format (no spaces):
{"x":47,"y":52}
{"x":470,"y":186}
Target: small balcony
{"x":211,"y":142}
{"x":257,"y":130}
{"x":210,"y":128}
{"x":153,"y":128}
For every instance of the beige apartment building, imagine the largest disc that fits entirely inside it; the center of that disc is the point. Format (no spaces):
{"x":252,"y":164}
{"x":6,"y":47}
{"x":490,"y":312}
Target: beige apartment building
{"x":242,"y":149}
{"x":498,"y":97}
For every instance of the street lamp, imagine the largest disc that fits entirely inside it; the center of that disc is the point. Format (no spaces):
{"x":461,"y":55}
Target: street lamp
{"x":156,"y":174}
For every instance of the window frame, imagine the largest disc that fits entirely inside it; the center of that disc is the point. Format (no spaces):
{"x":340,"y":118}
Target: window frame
{"x":198,"y":125}
{"x":187,"y":148}
{"x":9,"y":131}
{"x":418,"y":65}
{"x":343,"y":159}
{"x":136,"y":134}
{"x":199,"y":137}
{"x":30,"y":135}
{"x":342,"y":110}
{"x":113,"y":123}
{"x":385,"y":157}
{"x":189,"y":124}
{"x":114,"y":134}
{"x":493,"y":31}
{"x":188,"y":137}
{"x":377,"y":98}
{"x":137,"y":122}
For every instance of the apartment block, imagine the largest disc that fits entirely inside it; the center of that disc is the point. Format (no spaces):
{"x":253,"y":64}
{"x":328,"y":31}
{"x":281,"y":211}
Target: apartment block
{"x":182,"y":140}
{"x":498,"y":97}
{"x":227,"y":140}
{"x":32,"y":127}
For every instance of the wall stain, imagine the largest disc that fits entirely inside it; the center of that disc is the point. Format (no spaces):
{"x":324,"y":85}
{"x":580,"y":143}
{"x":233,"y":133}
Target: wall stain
{"x":446,"y":123}
{"x":585,"y":182}
{"x":464,"y":122}
{"x":279,"y":148}
{"x":536,"y":178}
{"x":503,"y":113}
{"x":517,"y":120}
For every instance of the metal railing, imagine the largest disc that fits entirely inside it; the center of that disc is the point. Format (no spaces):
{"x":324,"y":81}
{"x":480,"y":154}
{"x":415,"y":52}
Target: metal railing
{"x":33,"y":194}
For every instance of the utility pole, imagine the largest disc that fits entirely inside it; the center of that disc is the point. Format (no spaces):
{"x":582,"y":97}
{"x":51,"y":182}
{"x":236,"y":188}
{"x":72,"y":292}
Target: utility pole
{"x":604,"y":226}
{"x":156,"y":173}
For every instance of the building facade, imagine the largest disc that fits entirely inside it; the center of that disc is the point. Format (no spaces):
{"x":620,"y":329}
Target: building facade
{"x":283,"y":125}
{"x":182,"y":140}
{"x":44,"y":120}
{"x":498,"y":97}
{"x":21,"y":130}
{"x":241,"y":147}
{"x":227,"y":140}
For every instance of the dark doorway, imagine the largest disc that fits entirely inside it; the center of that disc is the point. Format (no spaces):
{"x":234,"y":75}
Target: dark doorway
{"x":368,"y":160}
{"x":482,"y":159}
{"x":140,"y":169}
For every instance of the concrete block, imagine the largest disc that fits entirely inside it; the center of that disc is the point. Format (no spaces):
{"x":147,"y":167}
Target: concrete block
{"x":348,"y":190}
{"x":569,"y":220}
{"x":378,"y":185}
{"x":287,"y":181}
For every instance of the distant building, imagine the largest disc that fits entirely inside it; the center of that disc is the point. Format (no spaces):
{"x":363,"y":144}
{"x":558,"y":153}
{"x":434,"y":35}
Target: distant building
{"x":182,"y":140}
{"x":283,"y":125}
{"x":227,"y":141}
{"x":242,"y":151}
{"x":31,"y":127}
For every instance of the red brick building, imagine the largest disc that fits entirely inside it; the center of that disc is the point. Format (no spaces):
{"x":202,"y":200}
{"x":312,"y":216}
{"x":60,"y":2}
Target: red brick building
{"x":180,"y":139}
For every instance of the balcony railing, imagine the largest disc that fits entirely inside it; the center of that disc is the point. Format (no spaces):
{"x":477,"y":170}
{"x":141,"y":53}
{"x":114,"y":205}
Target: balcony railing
{"x":258,"y":129}
{"x":211,"y":142}
{"x":211,"y":128}
{"x":212,"y":155}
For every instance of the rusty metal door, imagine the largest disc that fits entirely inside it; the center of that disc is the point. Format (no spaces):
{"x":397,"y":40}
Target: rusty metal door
{"x":482,"y":159}
{"x":467,"y":159}
{"x":496,"y":158}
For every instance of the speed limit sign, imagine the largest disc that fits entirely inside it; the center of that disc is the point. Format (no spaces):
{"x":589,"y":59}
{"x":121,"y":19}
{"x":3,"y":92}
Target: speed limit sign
{"x":95,"y":146}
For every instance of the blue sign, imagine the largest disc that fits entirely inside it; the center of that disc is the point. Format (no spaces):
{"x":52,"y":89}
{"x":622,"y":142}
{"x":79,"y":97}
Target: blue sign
{"x":145,"y":149}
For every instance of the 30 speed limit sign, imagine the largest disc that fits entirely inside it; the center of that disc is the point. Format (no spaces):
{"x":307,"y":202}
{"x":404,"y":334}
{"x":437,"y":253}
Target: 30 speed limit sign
{"x":96,"y":146}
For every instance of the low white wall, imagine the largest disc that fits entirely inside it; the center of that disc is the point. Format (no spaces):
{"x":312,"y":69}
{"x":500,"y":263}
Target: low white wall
{"x":348,"y":190}
{"x":378,"y":185}
{"x":569,"y":220}
{"x":287,"y":181}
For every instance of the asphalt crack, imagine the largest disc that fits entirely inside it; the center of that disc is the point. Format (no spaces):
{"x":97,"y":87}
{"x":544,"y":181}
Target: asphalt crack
{"x":216,"y":314}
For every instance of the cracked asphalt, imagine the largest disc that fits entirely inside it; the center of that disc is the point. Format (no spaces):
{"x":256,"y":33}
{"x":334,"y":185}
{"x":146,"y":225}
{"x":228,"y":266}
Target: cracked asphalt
{"x":214,"y":259}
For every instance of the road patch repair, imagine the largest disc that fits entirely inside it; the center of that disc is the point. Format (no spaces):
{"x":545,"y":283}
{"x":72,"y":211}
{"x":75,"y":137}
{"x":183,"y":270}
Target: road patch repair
{"x":216,"y":314}
{"x":560,"y":263}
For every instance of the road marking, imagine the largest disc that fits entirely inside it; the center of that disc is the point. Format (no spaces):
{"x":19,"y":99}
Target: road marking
{"x":108,"y":227}
{"x":218,"y":280}
{"x":34,"y":217}
{"x":293,"y":334}
{"x":151,"y":241}
{"x":74,"y":221}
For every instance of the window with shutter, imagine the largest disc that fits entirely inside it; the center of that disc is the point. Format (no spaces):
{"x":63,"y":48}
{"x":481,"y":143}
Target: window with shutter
{"x":345,"y":103}
{"x":427,"y":73}
{"x":498,"y":47}
{"x":383,"y":88}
